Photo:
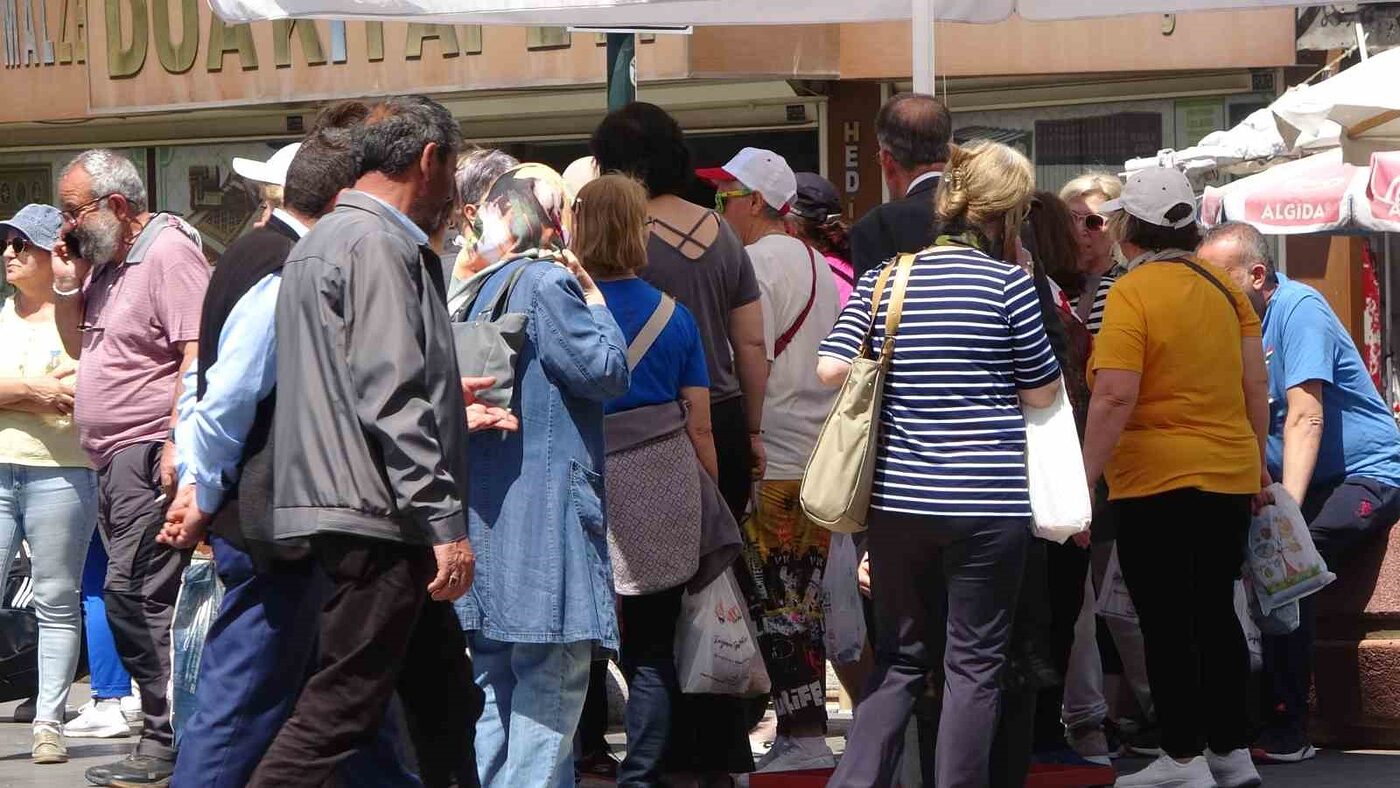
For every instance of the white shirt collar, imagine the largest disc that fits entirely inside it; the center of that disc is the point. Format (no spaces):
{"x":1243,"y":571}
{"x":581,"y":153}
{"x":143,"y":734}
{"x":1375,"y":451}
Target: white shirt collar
{"x":291,"y":221}
{"x":926,"y":176}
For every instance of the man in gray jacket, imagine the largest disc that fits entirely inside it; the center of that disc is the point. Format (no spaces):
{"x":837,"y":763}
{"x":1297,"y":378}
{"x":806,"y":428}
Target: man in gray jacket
{"x":371,"y":464}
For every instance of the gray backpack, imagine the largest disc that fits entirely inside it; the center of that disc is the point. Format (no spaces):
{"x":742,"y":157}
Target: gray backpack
{"x":489,"y":338}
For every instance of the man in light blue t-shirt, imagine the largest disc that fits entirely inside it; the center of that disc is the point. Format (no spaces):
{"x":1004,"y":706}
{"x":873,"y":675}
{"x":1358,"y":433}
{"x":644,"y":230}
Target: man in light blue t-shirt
{"x":1332,"y":442}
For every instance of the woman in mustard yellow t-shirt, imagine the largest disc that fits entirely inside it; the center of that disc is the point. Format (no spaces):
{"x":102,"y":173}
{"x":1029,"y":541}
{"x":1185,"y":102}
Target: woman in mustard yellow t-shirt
{"x":48,"y":494}
{"x":1177,"y":424}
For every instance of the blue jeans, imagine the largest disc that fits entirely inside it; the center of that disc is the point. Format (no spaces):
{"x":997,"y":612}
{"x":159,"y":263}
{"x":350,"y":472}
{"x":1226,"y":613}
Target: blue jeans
{"x":55,"y":510}
{"x":109,"y":676}
{"x":255,"y":661}
{"x":534,"y":697}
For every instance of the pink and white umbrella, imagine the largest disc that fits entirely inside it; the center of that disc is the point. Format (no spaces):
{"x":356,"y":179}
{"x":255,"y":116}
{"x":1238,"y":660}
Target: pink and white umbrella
{"x":1317,"y":194}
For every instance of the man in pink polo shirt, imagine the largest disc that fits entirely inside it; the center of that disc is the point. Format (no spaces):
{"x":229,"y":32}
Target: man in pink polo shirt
{"x":129,"y":287}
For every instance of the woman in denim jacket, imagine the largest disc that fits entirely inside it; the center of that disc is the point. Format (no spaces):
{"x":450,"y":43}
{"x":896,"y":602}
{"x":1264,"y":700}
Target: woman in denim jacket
{"x":542,"y":600}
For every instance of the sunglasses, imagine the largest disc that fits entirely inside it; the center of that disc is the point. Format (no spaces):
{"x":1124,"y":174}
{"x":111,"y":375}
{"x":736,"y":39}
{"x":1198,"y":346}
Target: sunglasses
{"x":18,"y":245}
{"x":721,"y":197}
{"x":1091,"y":221}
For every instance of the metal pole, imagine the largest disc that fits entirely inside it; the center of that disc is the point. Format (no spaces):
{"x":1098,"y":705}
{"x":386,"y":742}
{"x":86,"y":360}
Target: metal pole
{"x":1361,"y":43}
{"x":922,"y":22}
{"x":622,"y":70}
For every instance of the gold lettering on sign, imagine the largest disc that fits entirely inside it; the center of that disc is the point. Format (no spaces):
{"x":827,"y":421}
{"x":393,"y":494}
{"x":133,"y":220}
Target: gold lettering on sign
{"x":282,"y":42}
{"x":224,"y":39}
{"x":72,"y":32}
{"x":126,"y":59}
{"x":177,"y":58}
{"x":413,"y":46}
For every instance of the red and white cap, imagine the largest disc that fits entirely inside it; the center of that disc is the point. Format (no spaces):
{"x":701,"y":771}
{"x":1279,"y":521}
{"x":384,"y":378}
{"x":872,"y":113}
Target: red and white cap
{"x":761,"y":170}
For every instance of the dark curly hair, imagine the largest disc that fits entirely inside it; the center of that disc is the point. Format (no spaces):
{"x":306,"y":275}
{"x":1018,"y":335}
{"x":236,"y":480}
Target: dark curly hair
{"x":643,"y":141}
{"x":830,"y":238}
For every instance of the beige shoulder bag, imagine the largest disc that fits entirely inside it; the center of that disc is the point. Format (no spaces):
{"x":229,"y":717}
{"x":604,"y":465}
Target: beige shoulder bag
{"x":836,"y":487}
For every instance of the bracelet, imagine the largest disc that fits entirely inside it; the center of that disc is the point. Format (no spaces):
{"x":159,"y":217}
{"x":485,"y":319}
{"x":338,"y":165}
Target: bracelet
{"x":66,"y":293}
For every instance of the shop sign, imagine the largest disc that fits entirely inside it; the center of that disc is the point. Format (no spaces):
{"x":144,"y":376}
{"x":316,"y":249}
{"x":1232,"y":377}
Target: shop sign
{"x":30,"y":40}
{"x":134,"y":27}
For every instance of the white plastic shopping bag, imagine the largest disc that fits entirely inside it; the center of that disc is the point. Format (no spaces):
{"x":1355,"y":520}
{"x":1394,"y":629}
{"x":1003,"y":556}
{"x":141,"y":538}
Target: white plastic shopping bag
{"x":1281,"y":560}
{"x":716,"y":646}
{"x":201,"y":593}
{"x":1252,"y":637}
{"x":844,"y":615}
{"x":1113,"y":600}
{"x":1060,"y":499}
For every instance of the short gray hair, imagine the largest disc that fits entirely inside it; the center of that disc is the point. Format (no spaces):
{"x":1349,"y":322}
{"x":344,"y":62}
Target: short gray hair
{"x":477,"y":170}
{"x":111,"y":173}
{"x":1252,"y":243}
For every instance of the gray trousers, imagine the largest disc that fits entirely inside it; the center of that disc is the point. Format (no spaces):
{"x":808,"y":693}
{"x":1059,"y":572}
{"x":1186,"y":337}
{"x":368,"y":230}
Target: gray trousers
{"x":143,"y":580}
{"x":941,"y":586}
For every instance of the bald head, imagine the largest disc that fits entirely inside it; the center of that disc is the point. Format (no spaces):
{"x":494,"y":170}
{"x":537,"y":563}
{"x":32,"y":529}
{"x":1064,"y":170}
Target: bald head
{"x":1243,"y":253}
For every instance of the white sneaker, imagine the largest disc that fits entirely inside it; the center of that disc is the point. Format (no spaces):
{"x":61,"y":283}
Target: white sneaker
{"x":131,"y":708}
{"x":101,"y":719}
{"x":1234,"y":769}
{"x":1165,"y":772}
{"x":793,"y":754}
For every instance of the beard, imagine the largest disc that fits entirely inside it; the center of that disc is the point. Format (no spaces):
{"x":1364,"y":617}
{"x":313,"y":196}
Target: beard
{"x":99,"y":237}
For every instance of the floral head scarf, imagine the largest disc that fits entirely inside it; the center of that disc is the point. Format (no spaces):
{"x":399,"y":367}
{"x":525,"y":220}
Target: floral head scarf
{"x":527,"y":212}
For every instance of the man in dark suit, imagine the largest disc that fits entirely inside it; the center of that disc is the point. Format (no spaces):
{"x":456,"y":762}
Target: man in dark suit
{"x":913,"y":131}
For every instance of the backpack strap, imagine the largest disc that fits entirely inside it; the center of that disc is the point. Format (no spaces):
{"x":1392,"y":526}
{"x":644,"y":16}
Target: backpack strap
{"x":1194,"y":266}
{"x":651,"y":330}
{"x":781,"y":343}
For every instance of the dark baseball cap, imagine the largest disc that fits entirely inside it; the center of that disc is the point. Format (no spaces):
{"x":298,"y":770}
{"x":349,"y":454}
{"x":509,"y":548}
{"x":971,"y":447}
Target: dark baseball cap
{"x":817,"y":197}
{"x":40,"y":224}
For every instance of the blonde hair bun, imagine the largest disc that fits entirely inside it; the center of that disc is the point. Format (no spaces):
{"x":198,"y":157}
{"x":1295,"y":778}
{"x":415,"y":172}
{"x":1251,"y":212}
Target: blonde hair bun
{"x":982,"y":182}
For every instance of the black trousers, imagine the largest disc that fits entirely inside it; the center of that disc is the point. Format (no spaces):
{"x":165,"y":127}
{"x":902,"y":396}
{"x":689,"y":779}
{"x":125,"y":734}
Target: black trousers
{"x":380,"y":632}
{"x":730,"y":427}
{"x":1065,"y":567}
{"x":1181,"y":552}
{"x":143,"y":582}
{"x":649,"y":664}
{"x":1341,"y":518}
{"x":944,"y":588}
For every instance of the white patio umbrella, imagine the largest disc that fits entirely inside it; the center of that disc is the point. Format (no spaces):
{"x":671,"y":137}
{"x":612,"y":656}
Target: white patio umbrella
{"x":1315,"y":194}
{"x":635,"y":13}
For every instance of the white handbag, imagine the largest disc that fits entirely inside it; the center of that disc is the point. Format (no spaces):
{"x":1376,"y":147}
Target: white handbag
{"x":1060,"y":499}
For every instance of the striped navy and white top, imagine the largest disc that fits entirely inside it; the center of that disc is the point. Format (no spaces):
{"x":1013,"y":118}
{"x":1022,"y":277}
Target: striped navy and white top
{"x":953,"y":440}
{"x":1095,"y":320}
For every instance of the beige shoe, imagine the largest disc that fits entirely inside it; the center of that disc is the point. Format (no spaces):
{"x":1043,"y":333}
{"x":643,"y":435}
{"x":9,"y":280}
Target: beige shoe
{"x":48,"y":745}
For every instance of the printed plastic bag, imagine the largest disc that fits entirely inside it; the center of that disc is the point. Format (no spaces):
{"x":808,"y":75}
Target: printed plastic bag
{"x":845,"y":617}
{"x":1279,"y":621}
{"x":1282,"y":563}
{"x":201,"y":593}
{"x":1113,"y":600}
{"x":1060,"y":500}
{"x":716,"y":645}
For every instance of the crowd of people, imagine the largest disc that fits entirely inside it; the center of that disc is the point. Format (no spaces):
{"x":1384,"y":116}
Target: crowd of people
{"x":457,"y":430}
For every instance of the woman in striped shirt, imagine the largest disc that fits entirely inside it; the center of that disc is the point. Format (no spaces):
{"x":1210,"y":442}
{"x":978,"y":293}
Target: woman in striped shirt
{"x":950,"y":511}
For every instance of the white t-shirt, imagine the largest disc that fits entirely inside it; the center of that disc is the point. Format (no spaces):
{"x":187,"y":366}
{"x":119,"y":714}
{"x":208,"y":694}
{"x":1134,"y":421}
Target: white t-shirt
{"x":796,"y":403}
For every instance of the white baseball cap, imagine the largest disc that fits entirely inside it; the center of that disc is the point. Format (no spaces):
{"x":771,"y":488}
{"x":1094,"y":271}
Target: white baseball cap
{"x":580,"y":172}
{"x":1155,"y":195}
{"x":761,"y":170}
{"x":273,"y":171}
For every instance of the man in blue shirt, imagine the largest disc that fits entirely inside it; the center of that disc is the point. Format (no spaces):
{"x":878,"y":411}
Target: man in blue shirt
{"x":1332,"y":442}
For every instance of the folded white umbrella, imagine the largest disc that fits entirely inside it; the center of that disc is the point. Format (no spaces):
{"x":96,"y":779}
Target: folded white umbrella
{"x":1315,"y":194}
{"x":1360,"y":107}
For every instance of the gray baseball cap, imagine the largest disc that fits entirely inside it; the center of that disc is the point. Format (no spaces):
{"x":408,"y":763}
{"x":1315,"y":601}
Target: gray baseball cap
{"x":40,"y":224}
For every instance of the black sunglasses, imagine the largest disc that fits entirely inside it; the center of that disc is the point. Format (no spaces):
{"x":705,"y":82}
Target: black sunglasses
{"x":18,"y":245}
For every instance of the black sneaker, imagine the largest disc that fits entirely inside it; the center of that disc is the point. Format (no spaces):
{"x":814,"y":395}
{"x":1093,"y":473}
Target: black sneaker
{"x":24,"y":712}
{"x":1145,"y":741}
{"x":133,"y":771}
{"x":1282,"y":746}
{"x":598,"y":765}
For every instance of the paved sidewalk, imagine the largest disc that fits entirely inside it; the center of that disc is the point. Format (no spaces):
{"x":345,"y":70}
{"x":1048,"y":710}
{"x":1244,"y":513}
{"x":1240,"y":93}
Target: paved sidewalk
{"x":1330,"y":770}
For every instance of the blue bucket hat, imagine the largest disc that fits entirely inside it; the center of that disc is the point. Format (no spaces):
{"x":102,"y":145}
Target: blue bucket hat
{"x":41,"y":225}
